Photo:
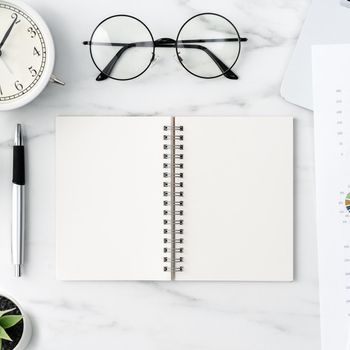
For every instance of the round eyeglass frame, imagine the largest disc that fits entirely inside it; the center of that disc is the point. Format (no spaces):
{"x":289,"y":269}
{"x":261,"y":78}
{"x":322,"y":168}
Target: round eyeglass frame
{"x":176,"y":45}
{"x":150,"y":33}
{"x":204,"y":14}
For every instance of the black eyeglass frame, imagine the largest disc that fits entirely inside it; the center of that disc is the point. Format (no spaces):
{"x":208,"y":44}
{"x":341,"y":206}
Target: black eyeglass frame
{"x":239,"y":47}
{"x":167,"y":42}
{"x":92,"y":57}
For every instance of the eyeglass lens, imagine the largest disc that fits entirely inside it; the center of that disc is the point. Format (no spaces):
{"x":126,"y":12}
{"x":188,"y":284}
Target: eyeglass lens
{"x":122,"y":47}
{"x":204,"y":41}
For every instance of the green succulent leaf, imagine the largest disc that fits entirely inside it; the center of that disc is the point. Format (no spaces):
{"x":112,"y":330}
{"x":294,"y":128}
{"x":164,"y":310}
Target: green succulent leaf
{"x":8,"y":321}
{"x":6,"y":312}
{"x":4,"y":335}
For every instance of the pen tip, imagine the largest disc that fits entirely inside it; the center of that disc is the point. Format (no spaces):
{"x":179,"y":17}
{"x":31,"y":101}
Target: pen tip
{"x":17,"y":270}
{"x":18,"y":135}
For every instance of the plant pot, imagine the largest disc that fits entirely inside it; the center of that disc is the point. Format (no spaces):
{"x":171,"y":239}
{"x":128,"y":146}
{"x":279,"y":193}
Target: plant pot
{"x":19,"y":333}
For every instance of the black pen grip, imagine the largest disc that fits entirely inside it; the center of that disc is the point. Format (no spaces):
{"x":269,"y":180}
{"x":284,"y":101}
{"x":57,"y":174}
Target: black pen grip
{"x":18,"y":175}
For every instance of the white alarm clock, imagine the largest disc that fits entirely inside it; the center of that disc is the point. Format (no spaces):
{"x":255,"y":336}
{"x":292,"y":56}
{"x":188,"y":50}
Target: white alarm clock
{"x":27,"y":54}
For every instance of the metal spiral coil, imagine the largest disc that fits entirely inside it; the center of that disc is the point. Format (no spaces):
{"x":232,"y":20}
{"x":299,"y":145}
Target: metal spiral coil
{"x":173,"y":207}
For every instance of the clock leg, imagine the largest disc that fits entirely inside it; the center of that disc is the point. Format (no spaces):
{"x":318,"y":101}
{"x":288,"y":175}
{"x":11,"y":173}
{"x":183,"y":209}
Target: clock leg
{"x":55,"y":80}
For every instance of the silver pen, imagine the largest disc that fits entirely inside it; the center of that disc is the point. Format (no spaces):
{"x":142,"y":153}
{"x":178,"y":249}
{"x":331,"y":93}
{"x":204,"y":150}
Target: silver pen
{"x":18,"y":202}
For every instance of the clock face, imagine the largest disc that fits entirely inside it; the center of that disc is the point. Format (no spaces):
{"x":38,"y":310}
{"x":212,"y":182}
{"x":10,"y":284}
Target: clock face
{"x":23,"y":53}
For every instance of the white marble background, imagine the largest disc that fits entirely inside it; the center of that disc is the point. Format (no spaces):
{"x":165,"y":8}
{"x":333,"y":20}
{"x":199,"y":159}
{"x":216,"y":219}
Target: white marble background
{"x":220,"y":316}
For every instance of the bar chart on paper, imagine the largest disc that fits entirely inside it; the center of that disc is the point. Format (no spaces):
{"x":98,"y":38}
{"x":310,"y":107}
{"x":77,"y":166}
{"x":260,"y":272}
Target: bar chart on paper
{"x":332,"y":173}
{"x":344,"y":206}
{"x":347,"y":202}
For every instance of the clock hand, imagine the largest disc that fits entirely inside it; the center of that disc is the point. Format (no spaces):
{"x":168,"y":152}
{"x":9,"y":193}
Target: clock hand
{"x":7,"y":34}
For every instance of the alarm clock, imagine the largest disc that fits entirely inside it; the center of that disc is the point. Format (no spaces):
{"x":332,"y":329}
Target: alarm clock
{"x":27,"y":54}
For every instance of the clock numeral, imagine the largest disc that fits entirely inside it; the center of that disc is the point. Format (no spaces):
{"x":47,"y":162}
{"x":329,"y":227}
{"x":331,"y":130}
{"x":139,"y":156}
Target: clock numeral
{"x":1,"y":93}
{"x":15,"y":16}
{"x":32,"y":71}
{"x":36,"y":52}
{"x":18,"y":85}
{"x":32,"y":32}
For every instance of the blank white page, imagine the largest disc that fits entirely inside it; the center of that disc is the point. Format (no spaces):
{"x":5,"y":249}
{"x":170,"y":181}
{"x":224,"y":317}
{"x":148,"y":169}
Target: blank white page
{"x":238,"y":199}
{"x":109,"y":197}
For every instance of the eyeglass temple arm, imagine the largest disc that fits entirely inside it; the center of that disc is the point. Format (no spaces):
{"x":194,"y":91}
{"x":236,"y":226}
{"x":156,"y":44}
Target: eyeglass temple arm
{"x":108,"y":69}
{"x":222,"y":40}
{"x":166,"y":42}
{"x":124,"y":46}
{"x":226,"y":71}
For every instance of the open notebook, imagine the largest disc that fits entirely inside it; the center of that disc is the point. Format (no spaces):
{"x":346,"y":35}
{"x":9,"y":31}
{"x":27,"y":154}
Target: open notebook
{"x":174,"y":198}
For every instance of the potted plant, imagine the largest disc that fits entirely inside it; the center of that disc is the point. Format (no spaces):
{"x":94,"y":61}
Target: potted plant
{"x":15,"y":328}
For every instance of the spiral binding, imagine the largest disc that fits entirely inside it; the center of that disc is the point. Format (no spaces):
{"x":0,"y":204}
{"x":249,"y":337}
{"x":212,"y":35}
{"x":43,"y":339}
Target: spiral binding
{"x":173,"y":204}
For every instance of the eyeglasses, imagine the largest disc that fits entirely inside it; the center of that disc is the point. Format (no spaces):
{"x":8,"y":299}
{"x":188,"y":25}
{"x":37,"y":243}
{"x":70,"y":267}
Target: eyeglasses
{"x":208,"y":45}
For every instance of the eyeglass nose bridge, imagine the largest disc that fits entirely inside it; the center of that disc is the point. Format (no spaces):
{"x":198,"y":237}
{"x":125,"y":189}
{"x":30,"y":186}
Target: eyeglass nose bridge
{"x":166,"y":43}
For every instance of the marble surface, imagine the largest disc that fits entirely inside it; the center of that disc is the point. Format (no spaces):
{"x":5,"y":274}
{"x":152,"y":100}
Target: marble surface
{"x":242,"y":316}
